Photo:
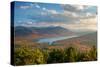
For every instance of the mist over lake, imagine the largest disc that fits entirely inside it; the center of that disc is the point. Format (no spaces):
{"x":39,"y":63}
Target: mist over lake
{"x":53,"y":39}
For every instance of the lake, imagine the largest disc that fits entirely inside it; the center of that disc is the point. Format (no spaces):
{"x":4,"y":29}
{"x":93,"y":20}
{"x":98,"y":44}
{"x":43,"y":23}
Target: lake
{"x":53,"y":39}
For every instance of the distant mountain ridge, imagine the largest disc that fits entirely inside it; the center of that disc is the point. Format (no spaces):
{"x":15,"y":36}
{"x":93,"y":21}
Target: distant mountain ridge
{"x":86,"y":39}
{"x":57,"y":30}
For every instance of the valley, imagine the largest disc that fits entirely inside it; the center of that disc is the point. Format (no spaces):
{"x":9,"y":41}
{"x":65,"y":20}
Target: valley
{"x":54,"y":39}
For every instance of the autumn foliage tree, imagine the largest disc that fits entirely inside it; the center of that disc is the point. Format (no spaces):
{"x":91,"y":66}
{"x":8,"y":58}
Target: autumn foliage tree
{"x":26,"y":55}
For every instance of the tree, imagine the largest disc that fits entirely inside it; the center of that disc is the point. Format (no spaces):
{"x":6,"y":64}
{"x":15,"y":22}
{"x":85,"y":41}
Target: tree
{"x":92,"y":54}
{"x":71,"y":55}
{"x":55,"y":56}
{"x":38,"y":56}
{"x":46,"y":55}
{"x":23,"y":56}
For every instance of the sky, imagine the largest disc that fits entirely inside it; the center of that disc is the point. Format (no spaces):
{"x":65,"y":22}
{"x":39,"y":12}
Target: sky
{"x":73,"y":17}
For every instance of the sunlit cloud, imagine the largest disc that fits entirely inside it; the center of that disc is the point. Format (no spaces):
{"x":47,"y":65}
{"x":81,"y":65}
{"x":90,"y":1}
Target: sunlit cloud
{"x":73,"y":17}
{"x":86,"y":24}
{"x":83,"y":24}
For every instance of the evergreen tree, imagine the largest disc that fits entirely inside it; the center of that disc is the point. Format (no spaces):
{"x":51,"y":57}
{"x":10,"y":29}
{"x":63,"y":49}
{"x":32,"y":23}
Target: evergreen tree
{"x":71,"y":54}
{"x":56,"y":56}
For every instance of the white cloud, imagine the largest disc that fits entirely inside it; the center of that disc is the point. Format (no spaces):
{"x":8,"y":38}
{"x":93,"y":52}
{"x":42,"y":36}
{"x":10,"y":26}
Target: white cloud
{"x":74,"y":8}
{"x":37,"y":6}
{"x":71,"y":14}
{"x":79,"y":20}
{"x":47,"y":11}
{"x":80,"y":7}
{"x":85,"y":24}
{"x":29,"y":6}
{"x":75,"y":15}
{"x":78,"y":11}
{"x":90,"y":14}
{"x":44,"y":8}
{"x":43,"y":13}
{"x":29,"y":23}
{"x":52,"y":11}
{"x":79,"y":15}
{"x":25,"y":7}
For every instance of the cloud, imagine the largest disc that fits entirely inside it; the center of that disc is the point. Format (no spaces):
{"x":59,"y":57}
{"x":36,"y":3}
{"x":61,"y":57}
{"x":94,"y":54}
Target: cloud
{"x":79,"y":11}
{"x":37,"y":6}
{"x":29,"y":23}
{"x":43,"y":13}
{"x":83,"y":24}
{"x":48,"y":12}
{"x":86,"y":24}
{"x":74,"y":8}
{"x":52,"y":11}
{"x":44,"y":9}
{"x":71,"y":14}
{"x":30,"y":6}
{"x":73,"y":17}
{"x":25,"y":7}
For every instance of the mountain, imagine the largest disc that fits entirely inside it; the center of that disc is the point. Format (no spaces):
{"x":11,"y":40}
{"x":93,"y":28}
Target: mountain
{"x":53,"y":30}
{"x":21,"y":31}
{"x":84,"y":38}
{"x":83,"y":42}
